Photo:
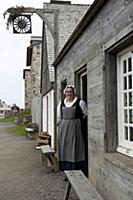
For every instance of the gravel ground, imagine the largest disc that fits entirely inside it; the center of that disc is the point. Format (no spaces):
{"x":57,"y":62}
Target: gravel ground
{"x":22,"y":176}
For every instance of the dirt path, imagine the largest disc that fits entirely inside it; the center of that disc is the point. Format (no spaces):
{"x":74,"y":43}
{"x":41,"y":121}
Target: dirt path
{"x":21,"y":172}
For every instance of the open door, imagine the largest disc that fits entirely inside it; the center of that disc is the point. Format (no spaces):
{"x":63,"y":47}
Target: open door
{"x":81,"y":88}
{"x":83,"y":94}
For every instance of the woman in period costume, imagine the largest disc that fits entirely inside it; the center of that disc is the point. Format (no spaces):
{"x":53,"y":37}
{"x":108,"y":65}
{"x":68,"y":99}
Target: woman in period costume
{"x":71,"y":146}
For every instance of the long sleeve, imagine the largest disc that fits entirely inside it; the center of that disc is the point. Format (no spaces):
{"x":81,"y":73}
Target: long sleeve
{"x":83,"y":107}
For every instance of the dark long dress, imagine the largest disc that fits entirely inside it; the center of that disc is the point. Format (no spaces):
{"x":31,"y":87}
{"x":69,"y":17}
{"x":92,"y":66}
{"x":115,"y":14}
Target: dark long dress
{"x":71,"y":149}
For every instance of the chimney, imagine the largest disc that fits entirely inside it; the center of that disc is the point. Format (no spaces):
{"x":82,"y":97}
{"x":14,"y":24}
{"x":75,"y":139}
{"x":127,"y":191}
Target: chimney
{"x":61,"y":1}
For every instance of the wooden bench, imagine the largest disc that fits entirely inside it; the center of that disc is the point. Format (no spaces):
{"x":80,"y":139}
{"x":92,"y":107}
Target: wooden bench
{"x":81,"y":185}
{"x":30,"y":129}
{"x":43,"y":139}
{"x":48,"y":157}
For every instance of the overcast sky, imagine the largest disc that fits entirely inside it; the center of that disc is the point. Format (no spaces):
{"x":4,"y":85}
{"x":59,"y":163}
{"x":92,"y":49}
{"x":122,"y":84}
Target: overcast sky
{"x":13,"y":51}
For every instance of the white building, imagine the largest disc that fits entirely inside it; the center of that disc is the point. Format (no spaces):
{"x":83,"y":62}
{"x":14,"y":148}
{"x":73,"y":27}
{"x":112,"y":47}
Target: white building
{"x":4,"y":109}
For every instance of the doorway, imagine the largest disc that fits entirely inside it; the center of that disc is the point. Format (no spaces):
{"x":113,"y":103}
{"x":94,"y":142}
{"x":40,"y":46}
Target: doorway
{"x":81,"y":88}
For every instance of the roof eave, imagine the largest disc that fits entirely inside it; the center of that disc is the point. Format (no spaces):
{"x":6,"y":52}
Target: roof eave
{"x":88,"y":17}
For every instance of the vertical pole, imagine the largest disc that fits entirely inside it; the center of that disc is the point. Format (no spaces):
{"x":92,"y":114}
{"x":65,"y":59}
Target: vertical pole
{"x":45,"y":52}
{"x":56,"y":51}
{"x":56,"y":34}
{"x":44,"y":65}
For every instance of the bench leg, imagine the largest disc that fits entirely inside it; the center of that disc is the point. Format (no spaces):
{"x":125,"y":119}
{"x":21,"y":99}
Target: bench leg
{"x":49,"y":159}
{"x":54,"y":162}
{"x":67,"y":191}
{"x":45,"y":163}
{"x":42,"y":156}
{"x":26,"y":134}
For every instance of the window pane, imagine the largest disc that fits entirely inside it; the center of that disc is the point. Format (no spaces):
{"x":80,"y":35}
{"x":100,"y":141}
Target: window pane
{"x":130,"y":99}
{"x":130,"y":116}
{"x":129,"y":64}
{"x":124,"y":67}
{"x":131,"y":133}
{"x":130,"y":82}
{"x":125,"y":83}
{"x":125,"y":99}
{"x":125,"y":116}
{"x":126,"y":133}
{"x":125,"y":102}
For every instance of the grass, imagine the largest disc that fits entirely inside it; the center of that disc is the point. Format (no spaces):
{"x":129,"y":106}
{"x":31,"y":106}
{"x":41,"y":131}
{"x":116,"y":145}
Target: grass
{"x":8,"y":119}
{"x":18,"y":130}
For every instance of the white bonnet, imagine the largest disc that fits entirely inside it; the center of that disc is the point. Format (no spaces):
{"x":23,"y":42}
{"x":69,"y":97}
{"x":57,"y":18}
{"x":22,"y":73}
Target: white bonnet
{"x":69,"y":86}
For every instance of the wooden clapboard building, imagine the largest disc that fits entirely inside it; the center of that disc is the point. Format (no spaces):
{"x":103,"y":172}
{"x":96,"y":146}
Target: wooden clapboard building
{"x":98,"y":60}
{"x":63,"y":18}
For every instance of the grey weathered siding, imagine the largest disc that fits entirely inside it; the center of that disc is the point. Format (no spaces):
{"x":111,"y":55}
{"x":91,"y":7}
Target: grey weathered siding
{"x":113,"y":22}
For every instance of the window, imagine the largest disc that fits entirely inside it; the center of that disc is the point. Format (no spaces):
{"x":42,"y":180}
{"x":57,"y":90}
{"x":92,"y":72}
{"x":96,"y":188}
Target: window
{"x":125,"y":103}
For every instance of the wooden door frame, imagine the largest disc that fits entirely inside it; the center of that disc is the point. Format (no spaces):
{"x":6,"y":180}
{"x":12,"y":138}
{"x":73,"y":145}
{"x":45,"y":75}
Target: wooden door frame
{"x":78,"y":84}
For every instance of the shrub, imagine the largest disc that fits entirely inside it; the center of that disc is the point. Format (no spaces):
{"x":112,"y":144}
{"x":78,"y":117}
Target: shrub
{"x":25,"y":112}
